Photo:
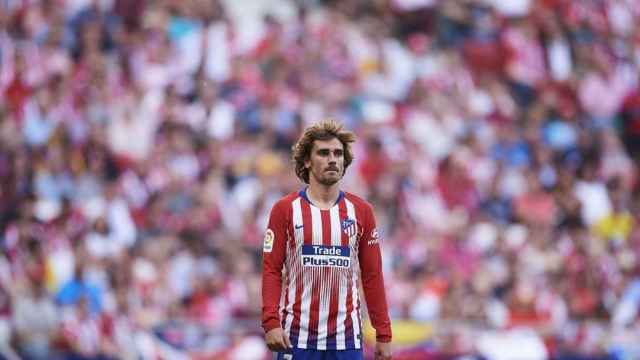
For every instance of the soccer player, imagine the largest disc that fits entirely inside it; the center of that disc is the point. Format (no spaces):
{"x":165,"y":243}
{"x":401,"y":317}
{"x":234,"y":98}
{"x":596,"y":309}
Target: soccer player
{"x":326,"y":240}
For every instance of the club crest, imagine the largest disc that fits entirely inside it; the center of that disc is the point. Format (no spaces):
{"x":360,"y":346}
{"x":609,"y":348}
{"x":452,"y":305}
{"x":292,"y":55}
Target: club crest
{"x":349,"y":227}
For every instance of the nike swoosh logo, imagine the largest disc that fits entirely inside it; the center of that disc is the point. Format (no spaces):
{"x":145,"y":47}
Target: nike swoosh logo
{"x":298,"y":227}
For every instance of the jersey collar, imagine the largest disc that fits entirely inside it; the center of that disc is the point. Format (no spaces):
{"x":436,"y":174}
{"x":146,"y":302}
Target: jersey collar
{"x":303,"y":194}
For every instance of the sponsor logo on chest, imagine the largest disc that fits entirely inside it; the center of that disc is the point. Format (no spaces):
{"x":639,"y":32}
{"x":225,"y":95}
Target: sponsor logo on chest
{"x":326,"y":256}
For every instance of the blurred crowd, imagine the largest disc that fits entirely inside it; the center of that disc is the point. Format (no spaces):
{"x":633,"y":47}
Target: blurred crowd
{"x":143,"y":143}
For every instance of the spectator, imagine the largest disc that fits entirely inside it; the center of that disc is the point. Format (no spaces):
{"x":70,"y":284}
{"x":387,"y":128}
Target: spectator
{"x":36,"y":321}
{"x":79,"y":287}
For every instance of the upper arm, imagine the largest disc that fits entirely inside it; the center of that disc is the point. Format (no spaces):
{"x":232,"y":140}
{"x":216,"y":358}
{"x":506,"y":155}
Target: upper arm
{"x":275,"y":239}
{"x":369,"y":248}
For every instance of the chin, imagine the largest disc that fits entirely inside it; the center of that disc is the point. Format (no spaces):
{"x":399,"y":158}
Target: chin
{"x":329,"y":181}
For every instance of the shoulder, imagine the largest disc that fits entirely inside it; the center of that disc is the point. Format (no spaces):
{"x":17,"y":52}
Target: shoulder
{"x":359,"y":203}
{"x":284,"y":203}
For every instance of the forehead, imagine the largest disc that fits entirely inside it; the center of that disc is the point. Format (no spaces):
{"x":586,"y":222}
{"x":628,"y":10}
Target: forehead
{"x":331,"y":144}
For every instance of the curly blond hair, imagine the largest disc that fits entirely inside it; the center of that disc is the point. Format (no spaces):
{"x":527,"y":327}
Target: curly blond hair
{"x":324,"y":130}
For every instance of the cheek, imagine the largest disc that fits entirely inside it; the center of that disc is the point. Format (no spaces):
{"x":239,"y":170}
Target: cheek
{"x":314,"y":165}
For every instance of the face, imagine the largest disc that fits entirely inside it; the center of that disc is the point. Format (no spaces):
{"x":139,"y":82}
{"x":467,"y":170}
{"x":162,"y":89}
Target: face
{"x":326,"y":163}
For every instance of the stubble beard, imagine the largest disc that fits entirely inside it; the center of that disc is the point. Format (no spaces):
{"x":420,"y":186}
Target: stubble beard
{"x":326,"y":180}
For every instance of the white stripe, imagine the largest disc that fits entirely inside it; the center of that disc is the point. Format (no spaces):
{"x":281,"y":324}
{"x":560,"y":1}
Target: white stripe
{"x":323,"y":313}
{"x":294,"y":265}
{"x":316,"y":222}
{"x":336,"y":239}
{"x":305,"y":308}
{"x":342,"y":314}
{"x":336,"y":227}
{"x":355,"y":266}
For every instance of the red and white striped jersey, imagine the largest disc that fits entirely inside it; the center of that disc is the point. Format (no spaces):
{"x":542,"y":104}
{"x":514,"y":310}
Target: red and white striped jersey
{"x":324,"y":253}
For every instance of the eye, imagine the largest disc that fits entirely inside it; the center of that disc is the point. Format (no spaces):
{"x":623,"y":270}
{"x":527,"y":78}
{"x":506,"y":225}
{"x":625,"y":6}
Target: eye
{"x":338,"y":153}
{"x":323,"y":152}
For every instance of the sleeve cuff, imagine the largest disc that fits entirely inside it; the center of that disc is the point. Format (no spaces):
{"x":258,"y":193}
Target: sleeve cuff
{"x":270,"y":325}
{"x":383,"y":338}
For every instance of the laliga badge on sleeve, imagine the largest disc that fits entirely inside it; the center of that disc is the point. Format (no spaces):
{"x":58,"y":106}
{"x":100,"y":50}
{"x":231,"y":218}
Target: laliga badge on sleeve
{"x":268,"y":241}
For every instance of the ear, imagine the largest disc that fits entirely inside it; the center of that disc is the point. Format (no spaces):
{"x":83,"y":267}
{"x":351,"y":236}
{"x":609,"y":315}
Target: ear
{"x":307,"y":163}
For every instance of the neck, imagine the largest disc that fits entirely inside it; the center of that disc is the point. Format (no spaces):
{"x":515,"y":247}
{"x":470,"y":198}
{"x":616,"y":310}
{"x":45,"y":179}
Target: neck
{"x":323,"y":196}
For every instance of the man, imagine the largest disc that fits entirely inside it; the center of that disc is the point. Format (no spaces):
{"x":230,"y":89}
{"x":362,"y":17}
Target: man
{"x":326,"y":240}
{"x":36,"y":320}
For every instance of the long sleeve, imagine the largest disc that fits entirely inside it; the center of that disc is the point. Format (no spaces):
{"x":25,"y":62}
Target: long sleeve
{"x":273,"y":256}
{"x":372,"y":279}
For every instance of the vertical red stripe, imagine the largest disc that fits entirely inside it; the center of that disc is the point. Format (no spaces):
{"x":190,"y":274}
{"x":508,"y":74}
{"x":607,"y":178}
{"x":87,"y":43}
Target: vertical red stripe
{"x":297,"y":312}
{"x":360,"y":215}
{"x":291,"y":242}
{"x":328,"y":274}
{"x":283,"y":313}
{"x":348,"y":325}
{"x":343,"y":215}
{"x":306,"y":221}
{"x":335,"y":291}
{"x":326,"y":227}
{"x":312,"y":339}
